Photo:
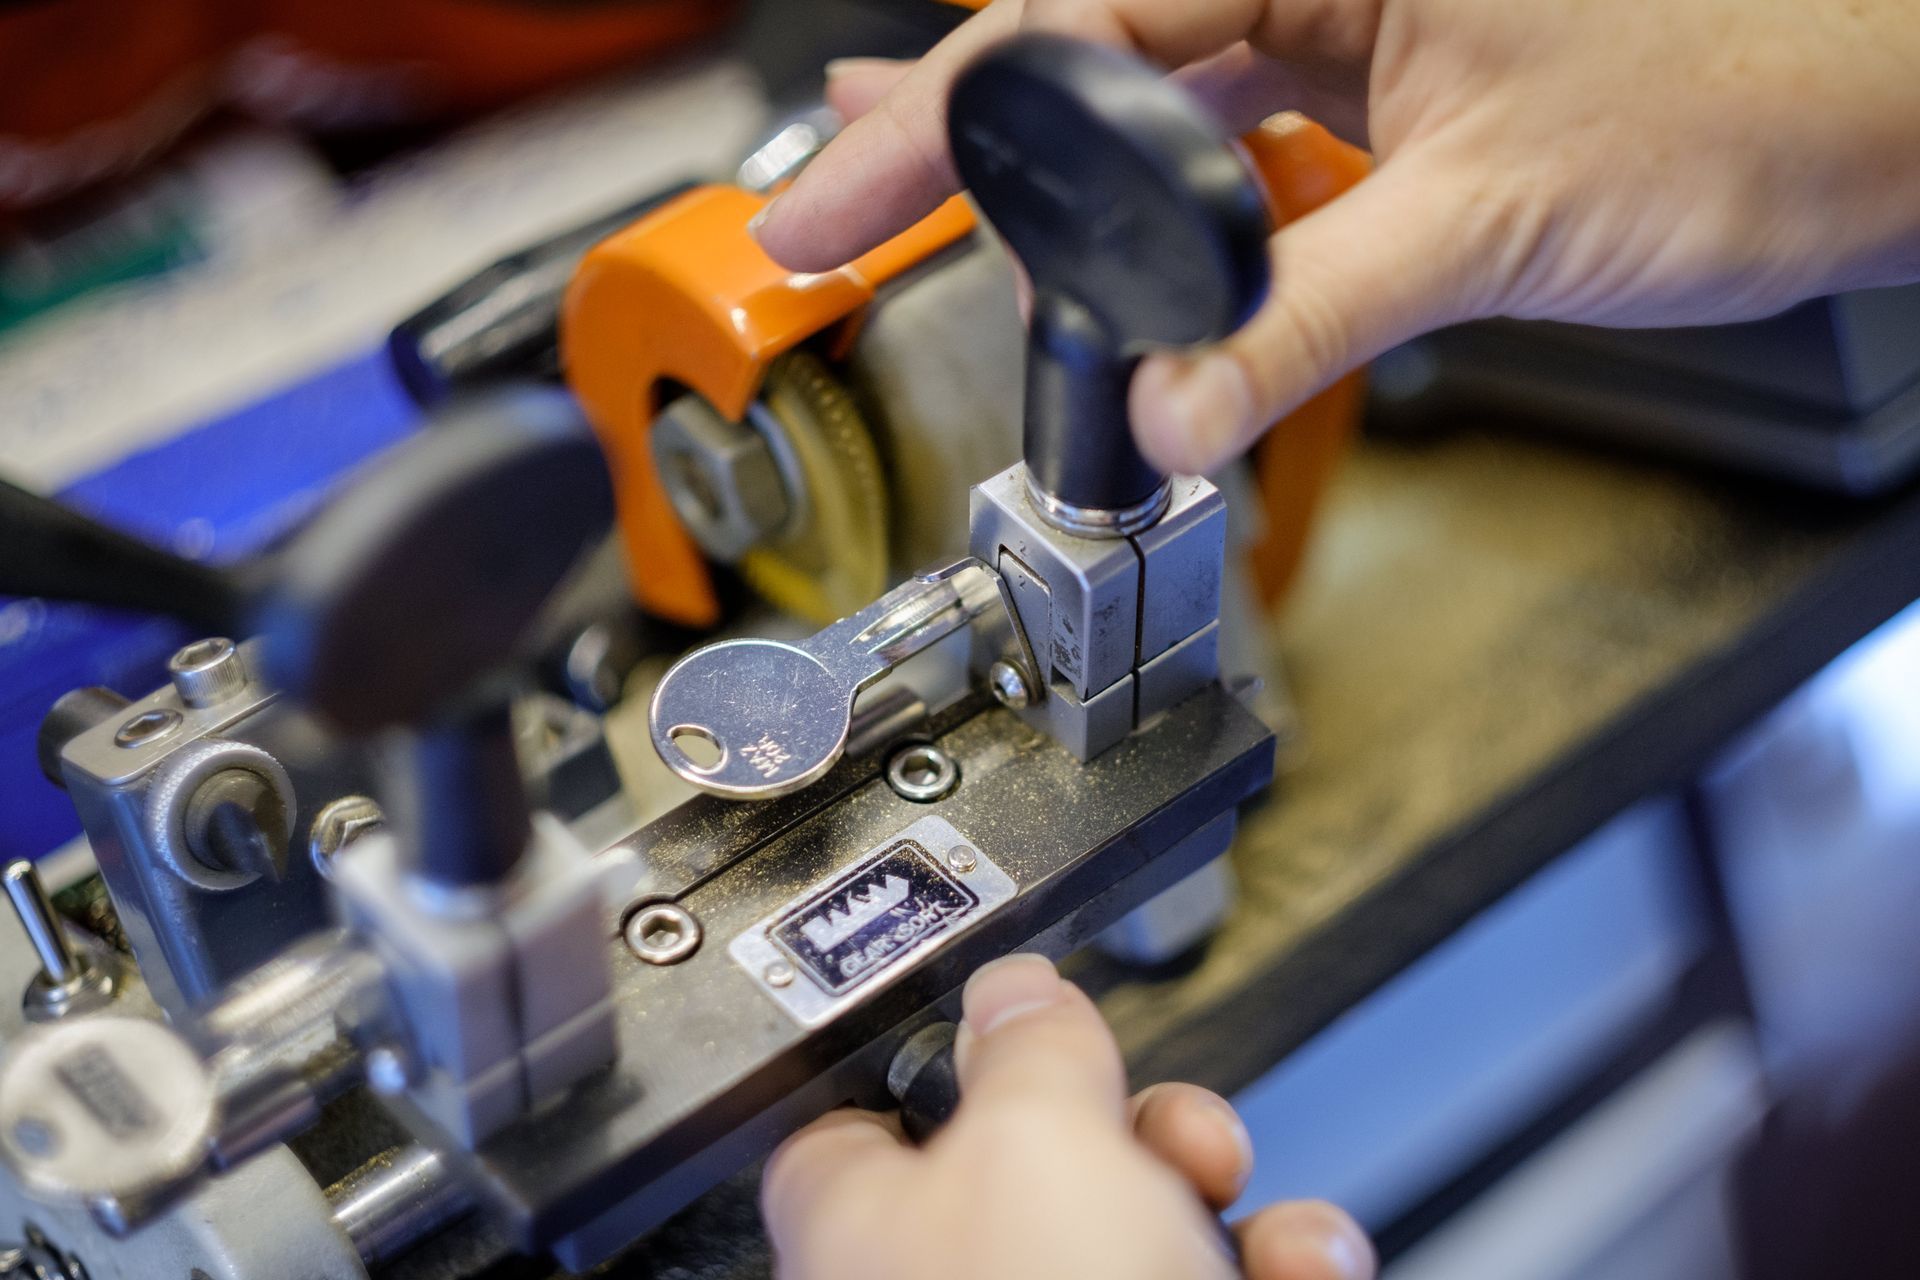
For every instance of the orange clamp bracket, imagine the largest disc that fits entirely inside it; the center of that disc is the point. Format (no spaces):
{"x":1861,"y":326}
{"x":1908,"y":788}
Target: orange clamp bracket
{"x":1302,"y":166}
{"x":686,"y":297}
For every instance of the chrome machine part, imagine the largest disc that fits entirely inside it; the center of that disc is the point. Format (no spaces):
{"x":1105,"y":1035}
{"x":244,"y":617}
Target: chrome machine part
{"x":191,"y":812}
{"x":266,"y":1219}
{"x":721,"y":477}
{"x":289,"y":1038}
{"x":208,"y":672}
{"x":70,"y":979}
{"x":753,"y":719}
{"x":396,"y":1200}
{"x":338,"y":824}
{"x":662,"y":933}
{"x":501,"y":1000}
{"x":922,"y":772}
{"x":1125,"y":627}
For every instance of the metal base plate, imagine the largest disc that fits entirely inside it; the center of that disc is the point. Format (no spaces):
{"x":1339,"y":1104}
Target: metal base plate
{"x":715,"y":1067}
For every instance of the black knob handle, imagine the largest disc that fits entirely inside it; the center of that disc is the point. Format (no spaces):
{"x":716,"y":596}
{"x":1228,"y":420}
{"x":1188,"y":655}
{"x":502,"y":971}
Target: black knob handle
{"x":56,"y":553}
{"x":403,"y":604}
{"x":923,"y":1080}
{"x":1141,"y":229}
{"x":399,"y":602}
{"x":406,"y":604}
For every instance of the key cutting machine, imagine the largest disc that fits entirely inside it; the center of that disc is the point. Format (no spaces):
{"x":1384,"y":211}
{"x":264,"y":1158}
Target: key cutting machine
{"x":437,"y":1026}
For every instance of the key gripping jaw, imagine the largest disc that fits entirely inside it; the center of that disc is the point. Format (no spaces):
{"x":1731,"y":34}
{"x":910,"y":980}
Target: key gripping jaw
{"x":1141,"y":229}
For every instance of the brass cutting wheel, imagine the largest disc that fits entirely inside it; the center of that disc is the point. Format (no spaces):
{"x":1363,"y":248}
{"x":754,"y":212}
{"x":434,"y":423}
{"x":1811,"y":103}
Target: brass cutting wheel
{"x":832,"y":559}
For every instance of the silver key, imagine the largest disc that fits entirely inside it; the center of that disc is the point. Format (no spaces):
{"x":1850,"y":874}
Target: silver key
{"x":754,"y":719}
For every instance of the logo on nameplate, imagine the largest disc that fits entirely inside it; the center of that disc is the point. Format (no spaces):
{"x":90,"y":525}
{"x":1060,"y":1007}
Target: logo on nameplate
{"x":873,"y":920}
{"x":857,"y":925}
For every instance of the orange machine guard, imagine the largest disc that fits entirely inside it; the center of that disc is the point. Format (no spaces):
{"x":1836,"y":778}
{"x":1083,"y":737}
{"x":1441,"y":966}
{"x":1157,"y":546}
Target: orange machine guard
{"x":686,"y":296}
{"x":1302,"y":167}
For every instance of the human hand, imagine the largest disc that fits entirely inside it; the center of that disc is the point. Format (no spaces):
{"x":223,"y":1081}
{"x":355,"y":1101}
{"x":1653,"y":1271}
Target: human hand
{"x":1634,"y":163}
{"x":1045,"y":1170}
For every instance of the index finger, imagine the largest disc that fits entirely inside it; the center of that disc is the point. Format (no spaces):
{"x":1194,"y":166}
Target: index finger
{"x":886,"y":170}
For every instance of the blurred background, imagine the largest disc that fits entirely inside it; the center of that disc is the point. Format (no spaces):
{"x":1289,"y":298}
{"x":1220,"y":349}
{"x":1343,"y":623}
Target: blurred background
{"x":1680,"y":1046}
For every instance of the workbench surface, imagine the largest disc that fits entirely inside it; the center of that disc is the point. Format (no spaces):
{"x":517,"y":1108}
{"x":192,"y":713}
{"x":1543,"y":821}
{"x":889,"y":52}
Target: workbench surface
{"x":1497,"y":645}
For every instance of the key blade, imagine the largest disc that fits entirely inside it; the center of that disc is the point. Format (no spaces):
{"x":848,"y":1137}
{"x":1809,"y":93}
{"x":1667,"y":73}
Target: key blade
{"x":750,"y":719}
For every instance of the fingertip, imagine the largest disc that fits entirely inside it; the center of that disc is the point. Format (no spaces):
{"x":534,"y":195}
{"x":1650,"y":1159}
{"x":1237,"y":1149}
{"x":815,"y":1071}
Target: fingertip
{"x":838,"y":1143}
{"x":1199,"y":1134}
{"x":1305,"y":1240}
{"x":1008,"y":987}
{"x":854,"y":86}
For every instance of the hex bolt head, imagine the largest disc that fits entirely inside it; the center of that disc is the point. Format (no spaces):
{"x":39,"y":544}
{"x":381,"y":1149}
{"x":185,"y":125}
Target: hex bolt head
{"x":1009,"y":685}
{"x":721,"y":477}
{"x":338,"y":825}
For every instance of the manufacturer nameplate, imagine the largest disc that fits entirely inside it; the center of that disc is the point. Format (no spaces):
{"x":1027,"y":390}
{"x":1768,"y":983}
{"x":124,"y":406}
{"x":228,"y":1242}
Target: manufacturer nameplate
{"x":839,"y":939}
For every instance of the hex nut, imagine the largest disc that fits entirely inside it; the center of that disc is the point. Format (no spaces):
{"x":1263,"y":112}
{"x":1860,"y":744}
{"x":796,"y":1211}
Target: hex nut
{"x":721,"y":477}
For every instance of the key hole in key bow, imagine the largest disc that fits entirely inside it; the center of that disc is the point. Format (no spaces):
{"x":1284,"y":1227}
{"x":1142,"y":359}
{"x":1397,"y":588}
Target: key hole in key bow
{"x":698,"y":745}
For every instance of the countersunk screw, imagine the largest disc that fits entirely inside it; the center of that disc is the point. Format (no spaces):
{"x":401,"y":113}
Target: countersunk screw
{"x":1009,"y":686}
{"x":922,"y":773}
{"x":148,"y":726}
{"x":778,"y":974}
{"x":962,"y":859}
{"x":662,"y":933}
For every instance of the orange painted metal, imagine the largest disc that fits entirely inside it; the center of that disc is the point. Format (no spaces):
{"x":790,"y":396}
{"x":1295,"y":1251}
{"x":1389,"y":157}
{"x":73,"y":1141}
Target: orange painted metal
{"x":686,"y":298}
{"x":1302,"y":167}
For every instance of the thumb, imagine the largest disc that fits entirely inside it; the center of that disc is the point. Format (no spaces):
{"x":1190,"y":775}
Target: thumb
{"x":1031,"y":1039}
{"x":1403,"y":252}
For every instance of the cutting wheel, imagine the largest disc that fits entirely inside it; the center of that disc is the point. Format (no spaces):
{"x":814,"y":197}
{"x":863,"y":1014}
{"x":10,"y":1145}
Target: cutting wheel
{"x":832,"y":559}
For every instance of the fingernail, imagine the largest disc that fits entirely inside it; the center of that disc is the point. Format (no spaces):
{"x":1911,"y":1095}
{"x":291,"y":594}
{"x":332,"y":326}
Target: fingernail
{"x":1209,"y":406}
{"x":1350,"y":1252}
{"x":837,"y":67}
{"x":1339,"y":1240}
{"x":759,"y":219}
{"x":1236,"y":1129}
{"x":999,"y":992}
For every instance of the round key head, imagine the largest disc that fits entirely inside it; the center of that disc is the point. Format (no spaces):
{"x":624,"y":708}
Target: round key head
{"x":422,"y":579}
{"x":750,"y":719}
{"x":1114,"y":188}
